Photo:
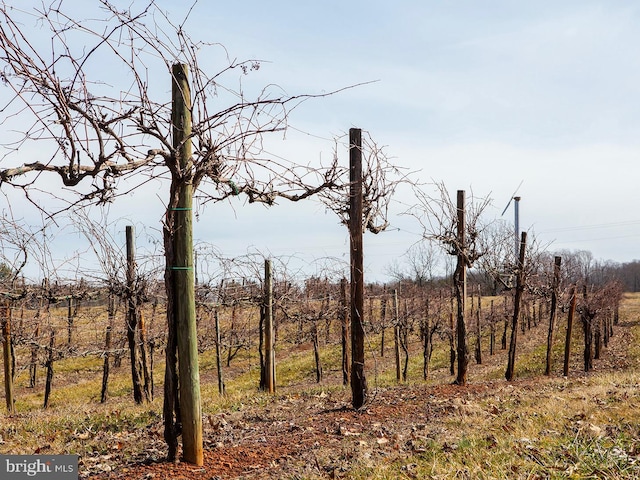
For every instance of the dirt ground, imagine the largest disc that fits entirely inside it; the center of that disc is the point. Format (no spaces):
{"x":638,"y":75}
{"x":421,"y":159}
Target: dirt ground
{"x":308,"y":435}
{"x":301,"y":435}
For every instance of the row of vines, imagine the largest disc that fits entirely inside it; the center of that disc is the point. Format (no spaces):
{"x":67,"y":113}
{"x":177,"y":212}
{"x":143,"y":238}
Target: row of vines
{"x":404,"y":322}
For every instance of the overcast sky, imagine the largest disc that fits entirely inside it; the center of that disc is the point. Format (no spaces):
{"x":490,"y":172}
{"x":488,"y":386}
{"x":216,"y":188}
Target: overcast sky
{"x":480,"y":95}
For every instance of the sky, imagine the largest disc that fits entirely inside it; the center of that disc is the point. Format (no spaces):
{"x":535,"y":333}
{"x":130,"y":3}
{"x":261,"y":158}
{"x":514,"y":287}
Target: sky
{"x":487,"y":97}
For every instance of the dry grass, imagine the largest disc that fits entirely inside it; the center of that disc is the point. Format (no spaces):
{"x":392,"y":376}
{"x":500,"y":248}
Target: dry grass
{"x":586,"y":426}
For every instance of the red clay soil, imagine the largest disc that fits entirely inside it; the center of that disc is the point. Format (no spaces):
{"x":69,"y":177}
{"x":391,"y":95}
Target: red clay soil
{"x":305,"y":435}
{"x":311,"y":435}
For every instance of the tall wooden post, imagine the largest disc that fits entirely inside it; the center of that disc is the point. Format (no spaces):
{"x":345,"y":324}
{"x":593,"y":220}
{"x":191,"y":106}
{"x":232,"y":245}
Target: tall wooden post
{"x":132,"y":317}
{"x":452,"y":340}
{"x":111,"y":312}
{"x":396,"y":335}
{"x":383,"y":319}
{"x":218,"y":359}
{"x":460,"y":284}
{"x":587,"y":326}
{"x":69,"y":318}
{"x":49,"y":366}
{"x":346,"y":333}
{"x":358,"y":380}
{"x":492,"y":333}
{"x":552,"y":315}
{"x":5,"y":318}
{"x":269,"y":352}
{"x":567,"y":342}
{"x":183,"y":273}
{"x":509,"y":373}
{"x":479,"y":329}
{"x":428,"y":344}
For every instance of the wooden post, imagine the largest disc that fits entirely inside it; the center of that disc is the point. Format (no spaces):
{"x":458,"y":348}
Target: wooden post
{"x":509,"y":373}
{"x":567,"y":342}
{"x":145,"y":360}
{"x":184,"y":282}
{"x":346,"y":333}
{"x":111,"y":313}
{"x":503,"y":339}
{"x":552,"y":313}
{"x":132,"y":316}
{"x":383,"y":318}
{"x":49,"y":366}
{"x":404,"y":339}
{"x":460,"y":284}
{"x":452,"y":340}
{"x":396,"y":335}
{"x":316,"y":350}
{"x":492,"y":331}
{"x":5,"y":314}
{"x":261,"y":335}
{"x":358,"y":379}
{"x":426,"y":335}
{"x":587,"y":316}
{"x":269,"y":351}
{"x":479,"y":329}
{"x":33,"y":364}
{"x":69,"y":318}
{"x":221,"y":389}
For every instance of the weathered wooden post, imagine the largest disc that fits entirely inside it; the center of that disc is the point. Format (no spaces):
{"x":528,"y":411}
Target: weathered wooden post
{"x":33,"y":364}
{"x":492,"y":331}
{"x":452,"y":340}
{"x":479,"y":329}
{"x":587,"y":316}
{"x":111,"y":313}
{"x":69,"y":317}
{"x":221,"y":389}
{"x":396,"y":335}
{"x":383,"y":319}
{"x":567,"y":342}
{"x":552,"y":314}
{"x":269,"y":351}
{"x":358,"y":379}
{"x":132,"y":317}
{"x":428,"y":341}
{"x":509,"y":373}
{"x":183,"y":273}
{"x":460,"y":285}
{"x":49,"y":366}
{"x":5,"y":318}
{"x":346,"y":333}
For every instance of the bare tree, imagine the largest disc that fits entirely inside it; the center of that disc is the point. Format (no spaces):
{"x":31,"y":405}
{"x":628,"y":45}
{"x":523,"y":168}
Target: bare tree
{"x":106,"y":140}
{"x":419,"y":264}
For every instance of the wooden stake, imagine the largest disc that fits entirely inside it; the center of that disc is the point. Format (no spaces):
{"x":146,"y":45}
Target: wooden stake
{"x":509,"y":373}
{"x":552,"y":317}
{"x":5,"y":314}
{"x":460,"y":284}
{"x":218,"y":359}
{"x":567,"y":342}
{"x":358,"y":379}
{"x":132,"y":316}
{"x":346,"y":333}
{"x":183,"y":273}
{"x":269,"y":351}
{"x":396,"y":335}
